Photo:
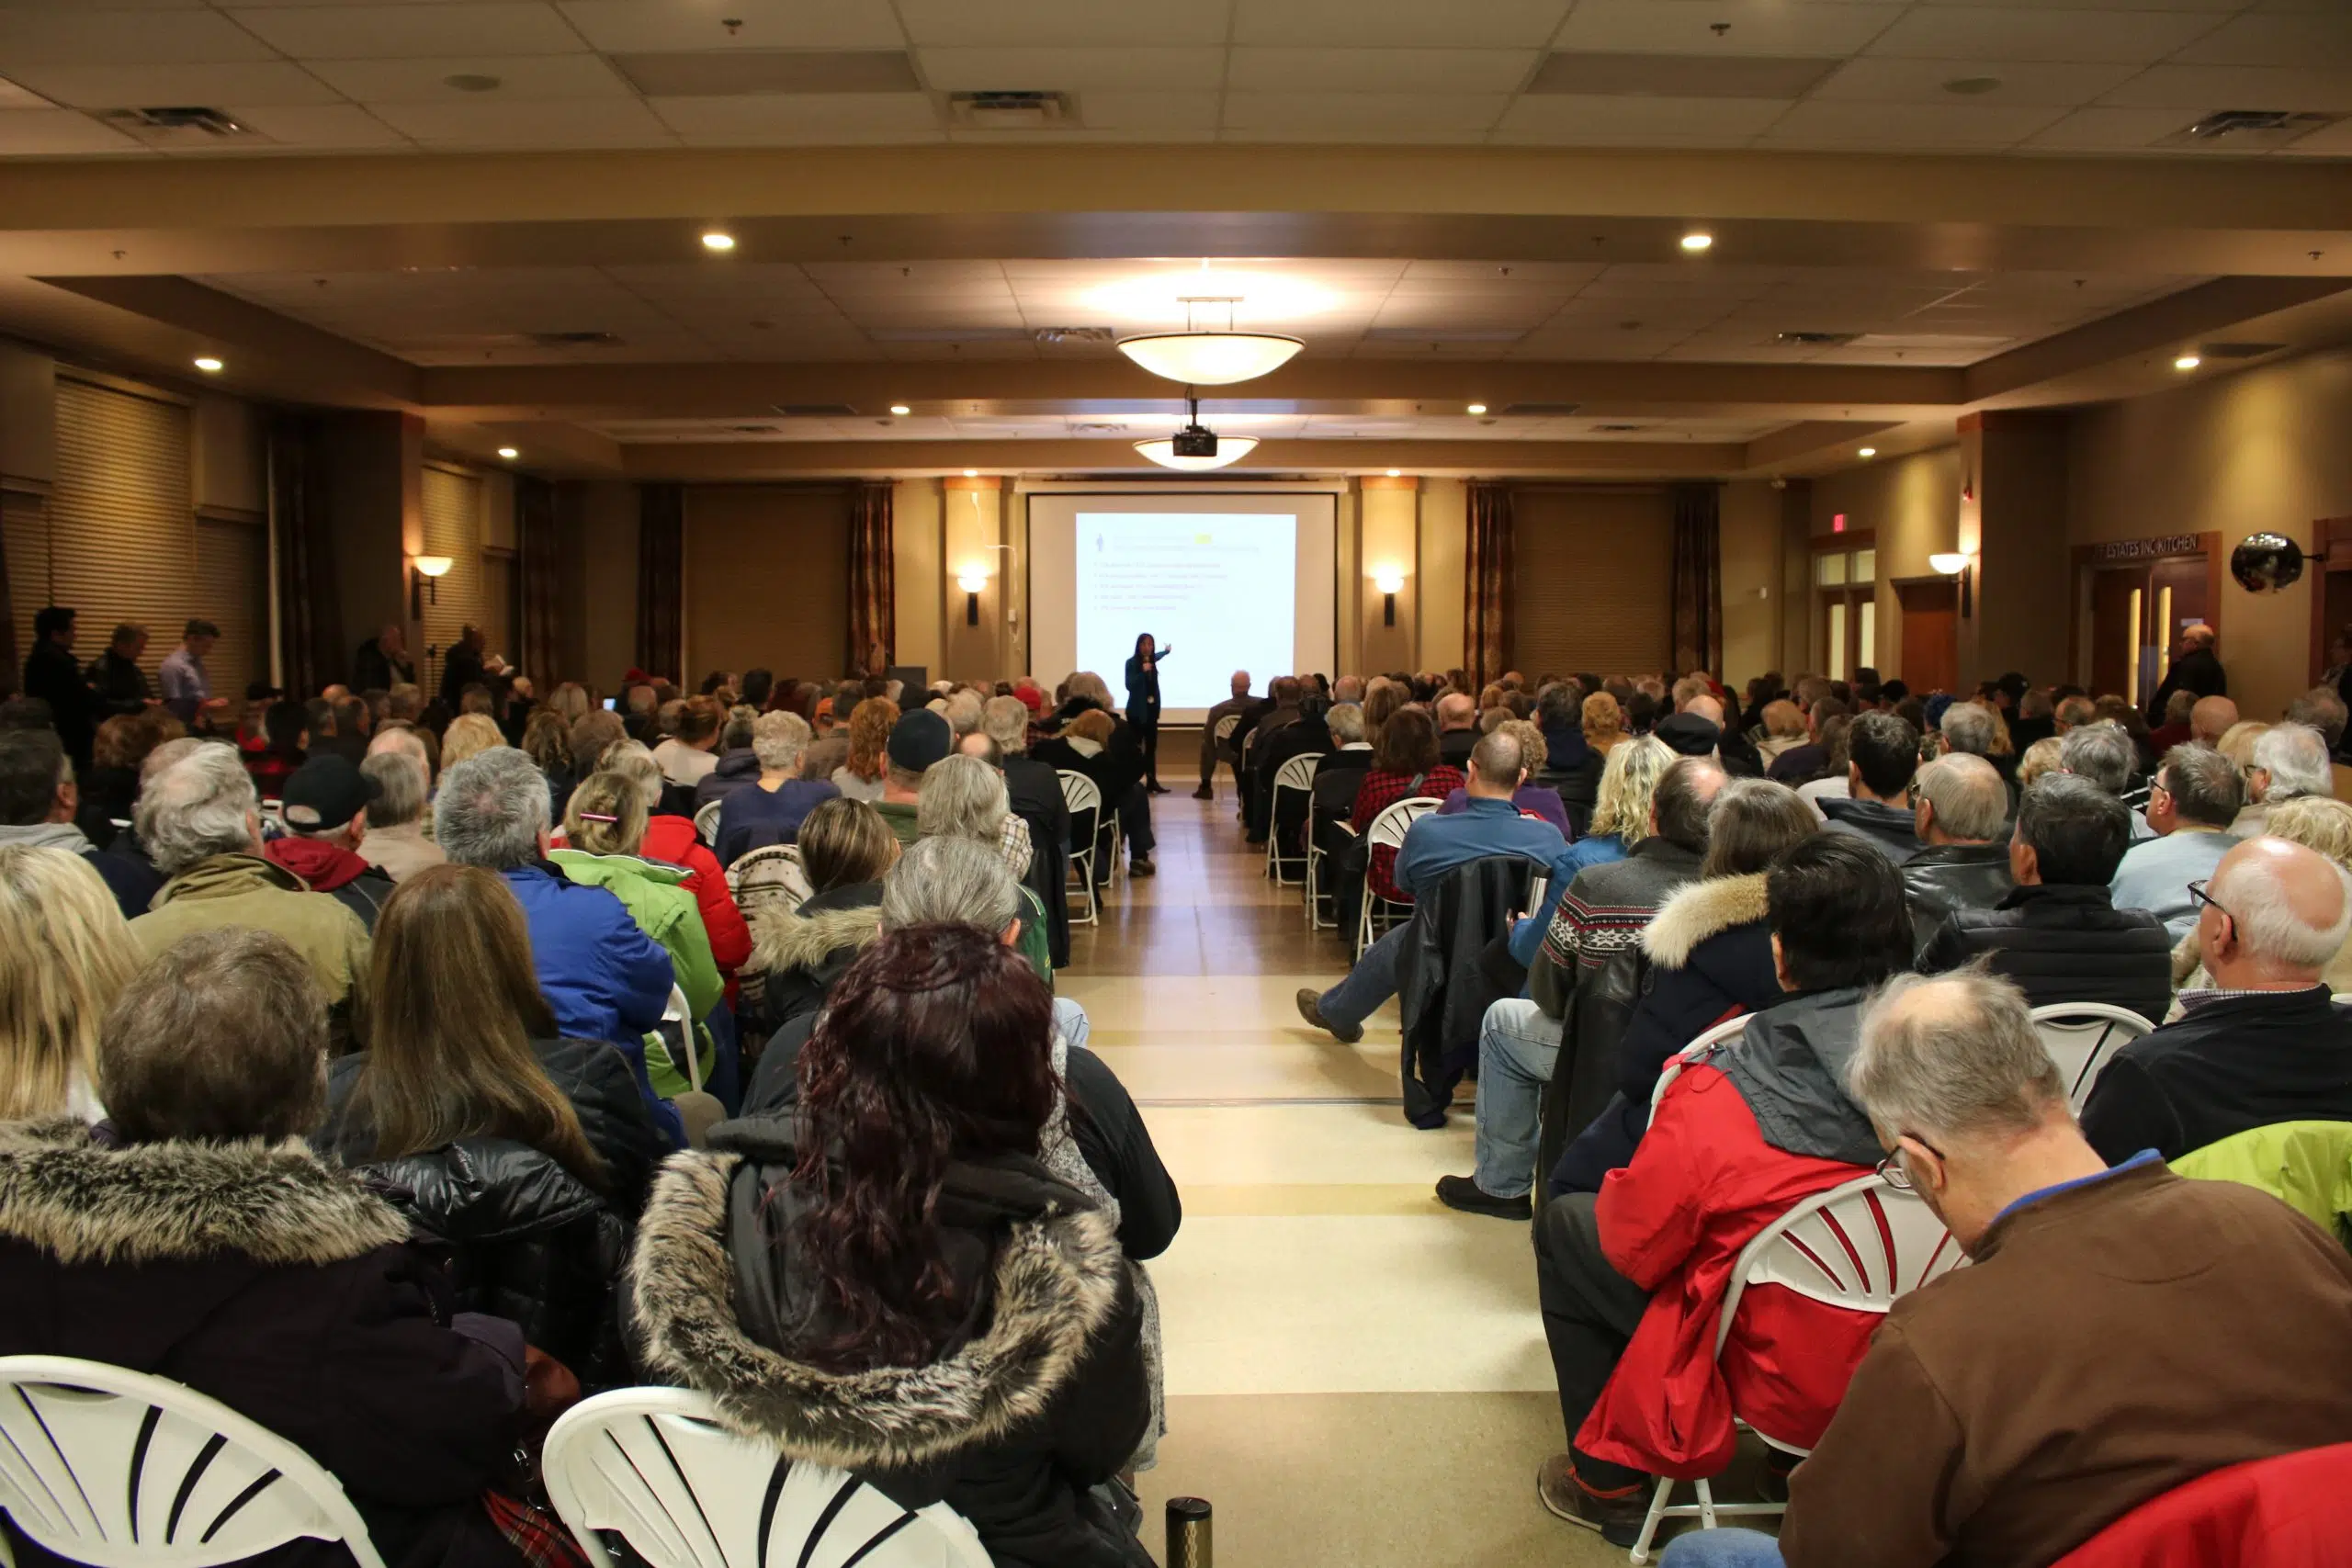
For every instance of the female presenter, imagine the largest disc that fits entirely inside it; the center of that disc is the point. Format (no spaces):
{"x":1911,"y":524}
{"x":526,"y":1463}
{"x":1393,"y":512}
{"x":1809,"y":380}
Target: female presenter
{"x":1143,"y":705}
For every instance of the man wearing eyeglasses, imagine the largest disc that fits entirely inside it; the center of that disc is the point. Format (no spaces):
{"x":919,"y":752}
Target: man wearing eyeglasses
{"x":2118,"y":1331}
{"x":2195,"y":798}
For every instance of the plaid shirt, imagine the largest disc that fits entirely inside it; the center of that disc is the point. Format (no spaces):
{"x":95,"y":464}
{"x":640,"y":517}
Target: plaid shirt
{"x":1012,"y":844}
{"x":1382,"y":790}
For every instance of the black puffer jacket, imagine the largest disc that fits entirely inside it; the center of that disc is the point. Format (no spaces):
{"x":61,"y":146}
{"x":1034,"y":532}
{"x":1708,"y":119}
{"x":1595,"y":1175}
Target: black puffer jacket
{"x":2064,"y":945}
{"x":796,"y":956}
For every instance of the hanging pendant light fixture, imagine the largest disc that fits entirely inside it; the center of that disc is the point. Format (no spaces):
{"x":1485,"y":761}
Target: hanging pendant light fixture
{"x":1196,"y":447}
{"x":1202,"y":358}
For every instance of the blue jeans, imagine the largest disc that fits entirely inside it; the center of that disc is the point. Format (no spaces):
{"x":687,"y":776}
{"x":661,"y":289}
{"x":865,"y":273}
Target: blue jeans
{"x":1517,"y":1046}
{"x":1371,"y":982}
{"x":1722,"y":1549}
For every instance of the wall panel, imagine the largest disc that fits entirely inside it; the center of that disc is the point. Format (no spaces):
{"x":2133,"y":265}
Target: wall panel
{"x":767,"y":579}
{"x":453,"y":528}
{"x":122,"y":532}
{"x":1593,"y":569}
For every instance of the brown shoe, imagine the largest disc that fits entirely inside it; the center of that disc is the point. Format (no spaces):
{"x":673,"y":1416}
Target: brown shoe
{"x":1310,"y":1007}
{"x":1618,"y":1518}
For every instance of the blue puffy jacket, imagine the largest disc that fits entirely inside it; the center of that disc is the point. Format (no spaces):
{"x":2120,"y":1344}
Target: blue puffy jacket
{"x":603,"y":977}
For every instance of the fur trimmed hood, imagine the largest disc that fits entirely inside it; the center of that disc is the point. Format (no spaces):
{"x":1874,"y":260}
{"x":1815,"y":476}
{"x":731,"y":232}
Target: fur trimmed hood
{"x":85,"y":1203}
{"x":1057,"y":1280}
{"x":1700,"y":910}
{"x":784,"y":939}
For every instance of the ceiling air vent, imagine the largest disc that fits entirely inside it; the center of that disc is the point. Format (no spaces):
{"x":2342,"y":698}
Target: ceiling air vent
{"x":575,"y":340}
{"x":2237,"y":350}
{"x":2247,"y":129}
{"x":753,"y":430}
{"x":1011,"y":111}
{"x":1816,"y":340}
{"x":186,"y":125}
{"x":1077,"y":335}
{"x":1617,"y":429}
{"x":1540,"y":410}
{"x":816,"y":411}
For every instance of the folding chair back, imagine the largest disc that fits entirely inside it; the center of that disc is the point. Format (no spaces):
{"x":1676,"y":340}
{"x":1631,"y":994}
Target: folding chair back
{"x":707,"y":822}
{"x":1387,"y":830}
{"x":1729,"y":1028}
{"x":1858,"y":1245}
{"x":653,"y":1465}
{"x":1297,"y":776}
{"x":1084,"y":797}
{"x":118,"y":1468}
{"x":2081,"y":1037}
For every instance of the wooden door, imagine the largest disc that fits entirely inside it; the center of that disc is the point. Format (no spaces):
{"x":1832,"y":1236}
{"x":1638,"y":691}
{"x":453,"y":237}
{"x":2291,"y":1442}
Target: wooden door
{"x":1930,"y":634}
{"x":2119,"y":622}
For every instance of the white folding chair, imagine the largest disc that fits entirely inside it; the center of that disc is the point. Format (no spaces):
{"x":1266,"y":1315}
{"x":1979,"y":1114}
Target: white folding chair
{"x":1296,"y":775}
{"x":1082,"y":795}
{"x":707,"y":822}
{"x":118,"y":1468}
{"x":1858,"y":1245}
{"x":1225,"y":729}
{"x":1729,"y":1028}
{"x":1387,"y":831}
{"x":2082,"y":1038}
{"x":1315,"y":856}
{"x":678,"y":1014}
{"x":654,"y":1466}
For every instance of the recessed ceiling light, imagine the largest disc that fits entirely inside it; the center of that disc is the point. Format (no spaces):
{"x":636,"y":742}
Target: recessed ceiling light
{"x":971,"y":473}
{"x":1396,"y":473}
{"x":1697,"y":240}
{"x":472,"y":82}
{"x":1867,"y":452}
{"x":208,"y":365}
{"x":2186,"y":362}
{"x":901,"y":410}
{"x":509,"y":453}
{"x":1971,"y":86}
{"x":1477,"y":409}
{"x":717,"y":239}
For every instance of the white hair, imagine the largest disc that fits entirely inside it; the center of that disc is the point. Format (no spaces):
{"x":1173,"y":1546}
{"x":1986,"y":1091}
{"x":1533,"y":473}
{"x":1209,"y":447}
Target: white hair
{"x":2295,"y":756}
{"x":2254,"y":895}
{"x":961,"y":798}
{"x":1006,"y":720}
{"x":1971,"y":1063}
{"x":201,"y":805}
{"x":950,"y":880}
{"x":1969,"y":729}
{"x":1346,"y":721}
{"x":778,"y":739}
{"x":492,"y":808}
{"x":963,"y":713}
{"x":400,"y":787}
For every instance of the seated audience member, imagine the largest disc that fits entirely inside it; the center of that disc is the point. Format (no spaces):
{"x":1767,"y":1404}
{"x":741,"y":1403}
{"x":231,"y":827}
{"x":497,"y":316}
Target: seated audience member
{"x":1458,"y":729}
{"x":2265,"y":1044}
{"x":1708,"y":958}
{"x":1560,"y":940}
{"x":2211,"y":719}
{"x":1963,"y":863}
{"x":797,"y":954}
{"x":110,"y":790}
{"x":1309,"y":734}
{"x":917,"y":741}
{"x":1956,"y":1444}
{"x":2076,"y":712}
{"x":2119,"y":712}
{"x":688,"y":756}
{"x":673,"y":841}
{"x":2040,"y":758}
{"x":469,"y":735}
{"x":1882,"y":754}
{"x":395,"y":842}
{"x":38,"y":804}
{"x":1570,"y":764}
{"x":2031,"y":723}
{"x":603,"y":976}
{"x":1533,"y":799}
{"x":830,"y":1299}
{"x":326,"y":800}
{"x":2176,"y":728}
{"x":739,"y":762}
{"x":2191,"y":804}
{"x":1797,"y":764}
{"x":1632,"y":1279}
{"x":1236,"y":706}
{"x":2104,"y":754}
{"x":1404,"y":763}
{"x":1489,"y":825}
{"x":771,"y":810}
{"x":527,"y":1153}
{"x":1784,"y":731}
{"x":1093,"y":743}
{"x":547,"y":740}
{"x":286,"y":731}
{"x":197,"y":1239}
{"x":65,"y":953}
{"x":963,"y":797}
{"x":2323,"y":825}
{"x":2058,"y":934}
{"x":2291,"y":763}
{"x":1032,"y":787}
{"x":200,"y":820}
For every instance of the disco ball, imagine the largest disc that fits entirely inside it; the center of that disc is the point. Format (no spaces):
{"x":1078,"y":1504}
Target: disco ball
{"x":2264,"y":563}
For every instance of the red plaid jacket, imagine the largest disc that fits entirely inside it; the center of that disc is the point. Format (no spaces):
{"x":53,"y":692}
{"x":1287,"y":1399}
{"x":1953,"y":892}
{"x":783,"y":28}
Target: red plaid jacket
{"x":1383,"y":789}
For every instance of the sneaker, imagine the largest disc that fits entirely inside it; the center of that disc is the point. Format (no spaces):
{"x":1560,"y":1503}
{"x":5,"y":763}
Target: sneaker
{"x":1617,"y":1517}
{"x":1204,"y":793}
{"x":1158,"y":789}
{"x":1140,"y":866}
{"x":1460,"y":1192}
{"x":1310,"y":1007}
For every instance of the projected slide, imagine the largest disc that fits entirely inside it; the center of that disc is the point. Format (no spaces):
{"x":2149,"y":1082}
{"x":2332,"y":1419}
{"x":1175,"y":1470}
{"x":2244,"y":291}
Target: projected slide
{"x":1219,"y":588}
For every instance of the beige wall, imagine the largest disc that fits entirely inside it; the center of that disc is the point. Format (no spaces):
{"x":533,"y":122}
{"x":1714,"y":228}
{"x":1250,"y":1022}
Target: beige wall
{"x":1751,"y":581}
{"x":767,"y":579}
{"x":915,"y":508}
{"x":1445,"y":526}
{"x":608,"y":529}
{"x":1912,"y":503}
{"x":2265,"y":449}
{"x":975,"y":525}
{"x":1388,"y":541}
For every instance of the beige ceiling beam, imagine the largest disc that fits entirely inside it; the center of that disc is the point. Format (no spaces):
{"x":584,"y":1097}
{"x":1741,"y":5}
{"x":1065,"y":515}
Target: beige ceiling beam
{"x":266,"y":352}
{"x":2160,"y":328}
{"x":1793,"y":446}
{"x":748,"y":460}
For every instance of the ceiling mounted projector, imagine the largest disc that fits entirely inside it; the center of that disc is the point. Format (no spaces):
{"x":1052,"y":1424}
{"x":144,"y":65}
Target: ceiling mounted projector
{"x":1196,"y":447}
{"x":1210,"y":359}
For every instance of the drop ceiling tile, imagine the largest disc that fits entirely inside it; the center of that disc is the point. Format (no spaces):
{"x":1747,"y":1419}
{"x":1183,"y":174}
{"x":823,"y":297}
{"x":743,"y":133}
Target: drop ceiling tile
{"x":1381,"y":70}
{"x":1061,"y":23}
{"x":1072,"y":69}
{"x":2307,"y":40}
{"x":800,"y":119}
{"x":99,"y":37}
{"x":2201,"y":89}
{"x":1902,"y":127}
{"x":1392,"y":116}
{"x":1760,"y":27}
{"x":1560,"y":274}
{"x":322,"y":128}
{"x":1581,"y":118}
{"x":1146,"y":112}
{"x":2132,"y":38}
{"x":1880,"y":79}
{"x":130,"y":86}
{"x":520,"y":78}
{"x":582,"y":122}
{"x":412,"y":31}
{"x":622,"y":26}
{"x":1497,"y":24}
{"x":2328,"y":141}
{"x":2210,"y":7}
{"x":923,"y":277}
{"x":33,"y":133}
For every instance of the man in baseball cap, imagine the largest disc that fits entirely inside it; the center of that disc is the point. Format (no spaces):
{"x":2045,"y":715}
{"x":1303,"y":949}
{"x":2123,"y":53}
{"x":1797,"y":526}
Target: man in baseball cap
{"x":324,"y":807}
{"x":920,"y":739}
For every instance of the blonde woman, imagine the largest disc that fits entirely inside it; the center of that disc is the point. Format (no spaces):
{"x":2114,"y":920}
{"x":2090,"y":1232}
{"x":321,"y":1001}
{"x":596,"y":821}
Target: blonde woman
{"x":469,"y":734}
{"x":65,"y":952}
{"x":1621,"y":818}
{"x":2237,"y":743}
{"x":2040,"y":758}
{"x":2317,"y":822}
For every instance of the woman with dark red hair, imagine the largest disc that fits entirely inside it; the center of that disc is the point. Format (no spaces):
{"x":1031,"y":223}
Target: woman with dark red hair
{"x":893,"y":1283}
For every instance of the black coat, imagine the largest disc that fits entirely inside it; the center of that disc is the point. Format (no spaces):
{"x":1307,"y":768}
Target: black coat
{"x":118,"y":684}
{"x":108,"y":795}
{"x":373,"y":670}
{"x":2200,"y":673}
{"x":460,"y":668}
{"x":1443,"y":982}
{"x":1035,"y":793}
{"x":288,"y":1291}
{"x":2064,"y":945}
{"x":1310,"y":737}
{"x":55,"y":675}
{"x":1038,"y":1396}
{"x":1944,"y":877}
{"x":2225,"y":1066}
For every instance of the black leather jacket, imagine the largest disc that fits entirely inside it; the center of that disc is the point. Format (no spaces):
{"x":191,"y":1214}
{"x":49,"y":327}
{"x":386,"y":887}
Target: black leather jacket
{"x":1944,"y":877}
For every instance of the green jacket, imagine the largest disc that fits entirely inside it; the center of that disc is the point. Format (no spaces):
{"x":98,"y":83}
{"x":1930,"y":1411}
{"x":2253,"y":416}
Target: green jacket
{"x":664,"y":909}
{"x":900,"y":816}
{"x":246,"y":890}
{"x":2305,"y":1164}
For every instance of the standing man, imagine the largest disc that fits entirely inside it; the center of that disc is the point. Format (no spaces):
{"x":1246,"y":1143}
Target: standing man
{"x":382,"y":661}
{"x":2197,"y":669}
{"x":55,"y":675}
{"x":462,"y":668}
{"x":117,"y":683}
{"x":187,"y":688}
{"x":1238,"y":706}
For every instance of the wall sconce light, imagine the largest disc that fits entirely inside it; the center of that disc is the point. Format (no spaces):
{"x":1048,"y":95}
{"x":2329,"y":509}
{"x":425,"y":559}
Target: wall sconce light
{"x":1955,"y":563}
{"x":1391,"y":582}
{"x":429,"y":570}
{"x":972,"y":583}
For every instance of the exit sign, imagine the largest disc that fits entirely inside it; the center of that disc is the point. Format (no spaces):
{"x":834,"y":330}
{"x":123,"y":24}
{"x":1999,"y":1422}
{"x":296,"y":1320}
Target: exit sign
{"x":1837,"y":522}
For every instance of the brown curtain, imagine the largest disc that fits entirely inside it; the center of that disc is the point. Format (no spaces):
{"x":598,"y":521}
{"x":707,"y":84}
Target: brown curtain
{"x":873,"y":581}
{"x":1697,"y":579}
{"x":539,"y":564}
{"x":309,"y":632}
{"x":662,"y":580}
{"x":1486,"y":585}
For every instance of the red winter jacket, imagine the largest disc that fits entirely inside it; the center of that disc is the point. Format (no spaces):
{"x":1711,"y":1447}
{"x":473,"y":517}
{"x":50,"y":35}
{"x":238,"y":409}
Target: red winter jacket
{"x":2294,"y":1511}
{"x":673,"y":838}
{"x":1701,"y":1184}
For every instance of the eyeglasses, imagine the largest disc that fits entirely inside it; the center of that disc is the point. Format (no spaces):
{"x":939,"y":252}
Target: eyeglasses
{"x":1894,"y":1172}
{"x":2197,"y":895}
